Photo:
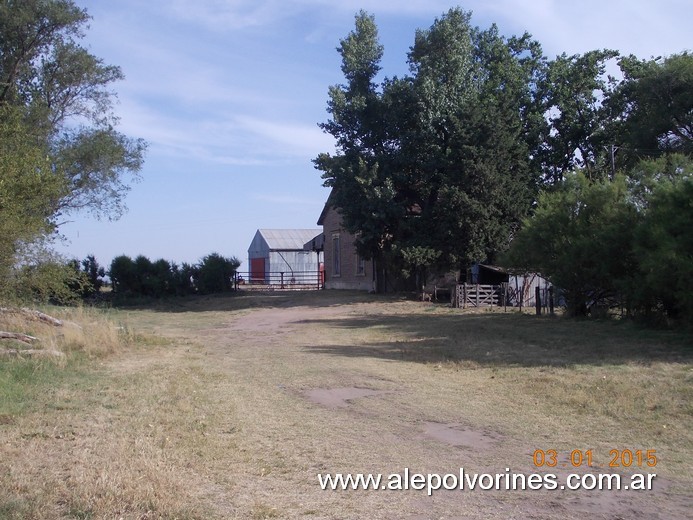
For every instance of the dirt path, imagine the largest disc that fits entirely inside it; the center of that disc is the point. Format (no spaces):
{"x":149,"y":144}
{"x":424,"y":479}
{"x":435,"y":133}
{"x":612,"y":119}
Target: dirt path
{"x":299,"y":390}
{"x":230,"y":408}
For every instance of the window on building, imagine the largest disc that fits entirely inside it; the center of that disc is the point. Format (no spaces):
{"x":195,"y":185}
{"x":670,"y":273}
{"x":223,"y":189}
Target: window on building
{"x":360,"y":261}
{"x":360,"y":265}
{"x":336,"y":256}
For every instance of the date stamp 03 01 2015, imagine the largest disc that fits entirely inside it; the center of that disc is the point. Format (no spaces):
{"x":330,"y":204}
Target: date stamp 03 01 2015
{"x":576,"y":458}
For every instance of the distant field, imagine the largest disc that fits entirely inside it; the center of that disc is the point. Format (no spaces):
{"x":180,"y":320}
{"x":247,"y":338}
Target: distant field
{"x":229,"y":407}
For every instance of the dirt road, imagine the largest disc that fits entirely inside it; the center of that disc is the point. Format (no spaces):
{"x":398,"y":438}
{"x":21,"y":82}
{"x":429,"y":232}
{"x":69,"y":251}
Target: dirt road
{"x":305,"y":387}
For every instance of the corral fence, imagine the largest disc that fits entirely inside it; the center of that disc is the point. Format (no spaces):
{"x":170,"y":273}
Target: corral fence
{"x":503,"y":295}
{"x":292,"y":280}
{"x":478,"y":295}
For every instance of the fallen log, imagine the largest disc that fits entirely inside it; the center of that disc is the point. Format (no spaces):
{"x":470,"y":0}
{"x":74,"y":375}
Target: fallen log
{"x":34,"y":314}
{"x":18,"y":336}
{"x":42,"y":317}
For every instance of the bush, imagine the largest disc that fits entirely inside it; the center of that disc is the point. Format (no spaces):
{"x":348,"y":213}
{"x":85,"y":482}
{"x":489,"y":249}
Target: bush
{"x":580,"y":237}
{"x":216,"y":273}
{"x":664,"y":247}
{"x":141,"y":277}
{"x":609,"y":243}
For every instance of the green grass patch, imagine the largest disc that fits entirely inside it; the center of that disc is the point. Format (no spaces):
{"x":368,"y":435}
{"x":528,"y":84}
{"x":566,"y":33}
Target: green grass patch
{"x":26,"y":385}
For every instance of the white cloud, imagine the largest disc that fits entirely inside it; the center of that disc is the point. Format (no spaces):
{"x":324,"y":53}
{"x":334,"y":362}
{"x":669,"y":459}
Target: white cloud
{"x":198,"y":95}
{"x":222,"y":137}
{"x":641,"y":27}
{"x":409,"y":8}
{"x":224,"y":15}
{"x":293,"y":138}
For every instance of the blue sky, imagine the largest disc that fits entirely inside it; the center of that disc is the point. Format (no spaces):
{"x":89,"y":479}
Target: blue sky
{"x":228,"y":94}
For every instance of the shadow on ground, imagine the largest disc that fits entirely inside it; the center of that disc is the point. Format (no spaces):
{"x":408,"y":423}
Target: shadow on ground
{"x":242,"y":300}
{"x":500,"y":339}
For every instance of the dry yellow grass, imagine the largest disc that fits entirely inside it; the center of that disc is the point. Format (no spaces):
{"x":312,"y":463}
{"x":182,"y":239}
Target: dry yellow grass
{"x":214,"y":419}
{"x":85,"y":330}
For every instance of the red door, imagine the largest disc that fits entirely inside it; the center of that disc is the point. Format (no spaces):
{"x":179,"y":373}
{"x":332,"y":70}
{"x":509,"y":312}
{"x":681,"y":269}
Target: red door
{"x":257,"y":270}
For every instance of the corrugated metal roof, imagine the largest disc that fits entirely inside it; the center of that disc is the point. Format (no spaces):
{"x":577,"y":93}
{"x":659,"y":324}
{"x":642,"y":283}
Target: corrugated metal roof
{"x":317,"y":243}
{"x":288,"y":239}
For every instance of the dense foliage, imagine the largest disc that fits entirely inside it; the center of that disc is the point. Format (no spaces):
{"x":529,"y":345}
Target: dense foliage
{"x":435,"y":169}
{"x":615,"y":243}
{"x":441,"y":168}
{"x":581,"y":236}
{"x":59,"y":150}
{"x":142,"y":277}
{"x":29,"y":189}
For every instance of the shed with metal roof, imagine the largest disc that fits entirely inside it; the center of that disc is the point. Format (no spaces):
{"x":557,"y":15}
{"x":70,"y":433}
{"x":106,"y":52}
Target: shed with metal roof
{"x":278,"y":256}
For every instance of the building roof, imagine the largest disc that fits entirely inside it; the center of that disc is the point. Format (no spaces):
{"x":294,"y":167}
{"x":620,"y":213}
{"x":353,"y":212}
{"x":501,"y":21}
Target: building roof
{"x":288,"y":239}
{"x":317,"y":243}
{"x":325,"y":209}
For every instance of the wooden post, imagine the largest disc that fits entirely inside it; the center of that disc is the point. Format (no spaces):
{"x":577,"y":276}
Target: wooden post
{"x":537,"y":300}
{"x":477,"y":295}
{"x":282,"y":280}
{"x":551,"y":300}
{"x":520,"y":295}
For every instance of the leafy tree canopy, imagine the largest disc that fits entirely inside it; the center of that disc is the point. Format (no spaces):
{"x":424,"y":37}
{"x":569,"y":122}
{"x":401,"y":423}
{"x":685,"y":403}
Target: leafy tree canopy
{"x":29,"y":188}
{"x":59,"y":150}
{"x":439,"y":168}
{"x":65,"y":95}
{"x":664,"y":243}
{"x":434,"y":168}
{"x":581,"y":237}
{"x":652,"y":109}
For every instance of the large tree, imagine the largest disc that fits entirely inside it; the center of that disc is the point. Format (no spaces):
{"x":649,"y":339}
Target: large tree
{"x":59,"y":150}
{"x":581,"y":238}
{"x":359,"y":174}
{"x":64,"y":95}
{"x":624,"y":242}
{"x":477,"y":122}
{"x":664,"y":240}
{"x":433,"y":169}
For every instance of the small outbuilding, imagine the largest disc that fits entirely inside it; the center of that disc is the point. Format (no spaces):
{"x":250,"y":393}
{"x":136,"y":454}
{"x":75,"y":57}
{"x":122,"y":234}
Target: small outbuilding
{"x":487,"y":275}
{"x":278,"y":257}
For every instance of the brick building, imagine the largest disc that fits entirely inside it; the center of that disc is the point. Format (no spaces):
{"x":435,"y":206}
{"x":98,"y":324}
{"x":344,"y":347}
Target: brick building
{"x":344,"y":267}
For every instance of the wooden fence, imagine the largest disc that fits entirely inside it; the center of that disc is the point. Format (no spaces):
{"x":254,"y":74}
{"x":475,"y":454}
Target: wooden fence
{"x":478,"y":295}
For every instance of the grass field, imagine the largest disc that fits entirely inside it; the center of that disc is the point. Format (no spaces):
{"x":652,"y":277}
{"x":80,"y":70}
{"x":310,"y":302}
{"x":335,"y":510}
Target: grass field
{"x":229,"y":407}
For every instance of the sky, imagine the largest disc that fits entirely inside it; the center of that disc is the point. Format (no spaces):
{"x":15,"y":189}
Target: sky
{"x":229,"y":93}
